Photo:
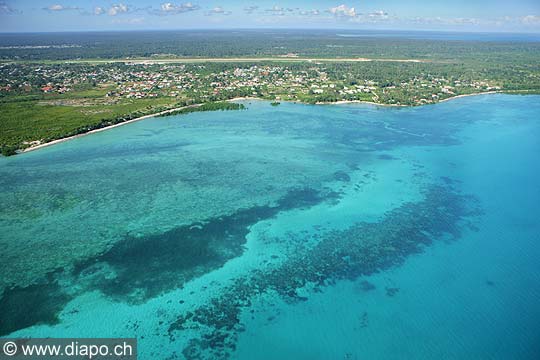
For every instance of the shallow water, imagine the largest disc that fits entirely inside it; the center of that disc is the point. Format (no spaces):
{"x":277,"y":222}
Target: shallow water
{"x":297,"y":231}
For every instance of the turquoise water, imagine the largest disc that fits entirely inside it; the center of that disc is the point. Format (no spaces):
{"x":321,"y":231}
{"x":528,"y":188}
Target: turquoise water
{"x":289,"y":232}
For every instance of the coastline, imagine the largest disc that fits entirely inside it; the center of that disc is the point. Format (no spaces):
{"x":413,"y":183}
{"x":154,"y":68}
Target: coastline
{"x":344,"y":102}
{"x":341,"y":102}
{"x":58,"y":141}
{"x":396,"y":105}
{"x":467,"y":95}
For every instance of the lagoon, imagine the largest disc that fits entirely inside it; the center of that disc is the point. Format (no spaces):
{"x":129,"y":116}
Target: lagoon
{"x":296,"y":232}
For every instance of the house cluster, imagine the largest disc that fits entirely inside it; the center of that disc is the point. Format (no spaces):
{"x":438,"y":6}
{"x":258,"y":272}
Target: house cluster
{"x":433,"y":89}
{"x":47,"y":79}
{"x":253,"y":80}
{"x":204,"y":81}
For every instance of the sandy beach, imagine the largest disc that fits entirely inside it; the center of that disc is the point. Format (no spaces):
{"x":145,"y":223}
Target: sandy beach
{"x":32,"y":148}
{"x":467,"y":95}
{"x":341,"y":102}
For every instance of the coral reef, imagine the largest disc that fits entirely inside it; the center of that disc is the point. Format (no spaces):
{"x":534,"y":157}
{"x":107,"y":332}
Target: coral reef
{"x":362,"y":249}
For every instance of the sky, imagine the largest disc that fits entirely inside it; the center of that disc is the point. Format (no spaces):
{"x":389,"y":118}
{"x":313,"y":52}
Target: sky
{"x":105,"y":15}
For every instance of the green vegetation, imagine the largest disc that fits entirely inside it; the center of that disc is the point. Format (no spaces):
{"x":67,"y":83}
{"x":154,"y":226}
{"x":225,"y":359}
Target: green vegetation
{"x":255,"y":43}
{"x":26,"y":121}
{"x":216,"y":106}
{"x":43,"y":97}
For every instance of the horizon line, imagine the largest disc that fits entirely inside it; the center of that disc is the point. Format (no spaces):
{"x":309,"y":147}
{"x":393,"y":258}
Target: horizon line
{"x":273,"y":28}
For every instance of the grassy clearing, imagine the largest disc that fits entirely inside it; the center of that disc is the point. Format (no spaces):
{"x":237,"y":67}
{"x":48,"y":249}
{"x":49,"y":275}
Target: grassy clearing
{"x":24,"y":121}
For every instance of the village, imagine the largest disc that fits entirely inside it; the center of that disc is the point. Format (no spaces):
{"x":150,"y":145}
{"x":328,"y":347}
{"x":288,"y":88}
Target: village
{"x":208,"y":82}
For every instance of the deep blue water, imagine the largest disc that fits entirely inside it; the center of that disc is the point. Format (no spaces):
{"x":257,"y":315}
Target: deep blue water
{"x":95,"y":40}
{"x":289,"y":232}
{"x":446,"y":35}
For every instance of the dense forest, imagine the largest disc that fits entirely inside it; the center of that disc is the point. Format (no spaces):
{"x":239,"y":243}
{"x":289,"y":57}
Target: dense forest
{"x":259,"y":43}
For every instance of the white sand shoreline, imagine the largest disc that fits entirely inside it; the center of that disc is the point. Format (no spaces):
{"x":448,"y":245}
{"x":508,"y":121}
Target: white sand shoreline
{"x":54,"y":142}
{"x":344,"y":102}
{"x":467,"y":95}
{"x":341,"y":102}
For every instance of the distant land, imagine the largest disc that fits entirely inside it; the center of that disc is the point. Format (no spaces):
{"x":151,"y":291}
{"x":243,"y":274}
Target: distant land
{"x":57,"y":85}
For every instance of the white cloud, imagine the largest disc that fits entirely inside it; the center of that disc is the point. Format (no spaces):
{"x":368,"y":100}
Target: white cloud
{"x":531,"y":20}
{"x":276,"y":10}
{"x":118,"y":9}
{"x":98,"y":10}
{"x":5,"y":9}
{"x":218,"y":11}
{"x":250,"y":9}
{"x":58,"y":7}
{"x":378,"y":14}
{"x":343,"y":11}
{"x":465,"y":21}
{"x":448,"y":21}
{"x":313,"y":12}
{"x":170,"y":8}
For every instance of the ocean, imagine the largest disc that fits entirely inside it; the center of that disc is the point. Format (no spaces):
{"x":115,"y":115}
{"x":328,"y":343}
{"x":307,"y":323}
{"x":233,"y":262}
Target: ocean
{"x":284,"y":232}
{"x":444,"y":35}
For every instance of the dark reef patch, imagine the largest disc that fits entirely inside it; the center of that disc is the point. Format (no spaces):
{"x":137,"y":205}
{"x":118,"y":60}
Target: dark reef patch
{"x":139,"y":268}
{"x":366,"y":286}
{"x":36,"y":304}
{"x":386,"y":157}
{"x":362,"y":249}
{"x":364,"y":320}
{"x":342,"y":176}
{"x":391,"y":291}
